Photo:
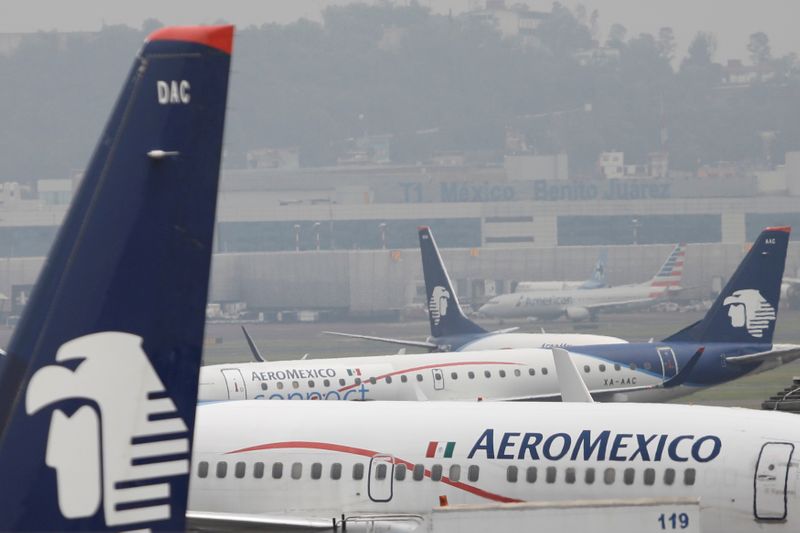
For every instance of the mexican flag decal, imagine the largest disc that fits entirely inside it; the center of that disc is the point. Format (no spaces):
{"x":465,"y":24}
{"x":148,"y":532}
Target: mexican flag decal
{"x":440,"y":449}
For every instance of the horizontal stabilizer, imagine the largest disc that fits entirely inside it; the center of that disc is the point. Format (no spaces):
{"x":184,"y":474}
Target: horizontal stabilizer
{"x":787,"y":352}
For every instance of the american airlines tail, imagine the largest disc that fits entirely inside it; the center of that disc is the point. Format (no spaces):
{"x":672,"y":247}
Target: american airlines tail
{"x":97,"y":396}
{"x":670,"y":274}
{"x":747,"y":308}
{"x":444,"y":311}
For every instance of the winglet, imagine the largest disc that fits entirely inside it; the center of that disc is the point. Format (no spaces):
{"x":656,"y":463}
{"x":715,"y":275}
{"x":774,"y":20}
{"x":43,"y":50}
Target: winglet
{"x":253,"y":348}
{"x":573,"y":388}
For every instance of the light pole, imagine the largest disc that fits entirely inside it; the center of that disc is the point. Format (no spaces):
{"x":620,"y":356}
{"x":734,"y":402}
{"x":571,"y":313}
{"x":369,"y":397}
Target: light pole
{"x":316,"y":233}
{"x":382,"y":227}
{"x":297,"y":237}
{"x":636,"y":225}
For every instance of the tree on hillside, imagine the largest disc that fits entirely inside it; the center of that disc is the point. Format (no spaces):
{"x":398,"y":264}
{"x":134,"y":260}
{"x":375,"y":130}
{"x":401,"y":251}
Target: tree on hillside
{"x":666,"y":43}
{"x":759,"y":48}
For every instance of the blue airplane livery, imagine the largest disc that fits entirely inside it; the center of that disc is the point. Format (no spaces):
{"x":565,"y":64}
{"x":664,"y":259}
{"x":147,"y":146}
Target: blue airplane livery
{"x":123,"y":293}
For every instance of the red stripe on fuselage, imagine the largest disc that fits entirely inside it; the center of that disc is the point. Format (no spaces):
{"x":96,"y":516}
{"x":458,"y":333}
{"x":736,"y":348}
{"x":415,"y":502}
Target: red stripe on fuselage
{"x":371,"y":453}
{"x":427,"y":367}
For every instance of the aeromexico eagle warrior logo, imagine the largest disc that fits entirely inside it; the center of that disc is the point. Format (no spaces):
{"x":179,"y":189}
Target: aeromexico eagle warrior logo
{"x":110,"y":447}
{"x":437,"y":306}
{"x":748,"y":309}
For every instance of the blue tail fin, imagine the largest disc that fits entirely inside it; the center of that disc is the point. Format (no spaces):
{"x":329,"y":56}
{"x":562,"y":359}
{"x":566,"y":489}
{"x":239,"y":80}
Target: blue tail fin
{"x":598,"y":279}
{"x":98,"y":394}
{"x":444,"y":311}
{"x":747,"y":308}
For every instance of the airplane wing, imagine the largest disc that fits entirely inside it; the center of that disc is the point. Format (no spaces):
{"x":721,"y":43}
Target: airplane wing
{"x":212,"y":522}
{"x":506,"y":330}
{"x":788,"y":352}
{"x":618,"y":303}
{"x":402,"y":342}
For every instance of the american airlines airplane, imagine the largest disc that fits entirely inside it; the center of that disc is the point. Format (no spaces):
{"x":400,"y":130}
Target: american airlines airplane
{"x":451,"y":330}
{"x":581,"y":304}
{"x":735,"y":338}
{"x":596,"y":281}
{"x":98,"y":389}
{"x":98,"y":394}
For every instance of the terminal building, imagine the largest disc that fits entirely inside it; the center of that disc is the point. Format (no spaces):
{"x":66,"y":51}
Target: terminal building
{"x":344,"y":238}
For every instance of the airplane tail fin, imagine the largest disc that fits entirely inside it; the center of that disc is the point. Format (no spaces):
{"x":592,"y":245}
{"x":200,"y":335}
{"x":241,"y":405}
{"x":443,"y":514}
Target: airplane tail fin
{"x":444,"y":312}
{"x":598,"y":278}
{"x":670,"y":274}
{"x":99,"y":389}
{"x":747,"y":308}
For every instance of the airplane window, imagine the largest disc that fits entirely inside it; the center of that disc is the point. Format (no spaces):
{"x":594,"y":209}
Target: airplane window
{"x":602,"y":368}
{"x":419,"y":377}
{"x":586,"y":368}
{"x":358,"y":381}
{"x":263,"y":385}
{"x":473,"y":472}
{"x":632,"y":366}
{"x":589,"y":477}
{"x":609,"y":475}
{"x":358,"y":471}
{"x":327,"y":383}
{"x":487,"y":373}
{"x":617,"y":368}
{"x":400,"y":472}
{"x":471,"y":375}
{"x":277,"y":470}
{"x":310,"y":383}
{"x":295,"y":385}
{"x":380,"y":471}
{"x":502,"y":373}
{"x":454,"y":375}
{"x":258,"y":470}
{"x":649,"y":476}
{"x":372,"y":380}
{"x":530,"y":474}
{"x":418,"y":473}
{"x":222,"y":469}
{"x":280,"y":385}
{"x":336,"y":471}
{"x":517,"y":373}
{"x":239,"y":471}
{"x":648,"y":365}
{"x":316,"y":470}
{"x":202,"y":469}
{"x":629,"y":475}
{"x":569,"y":475}
{"x":455,"y":472}
{"x":389,"y":380}
{"x":689,"y":476}
{"x":511,"y":474}
{"x":532,"y":371}
{"x":550,"y":474}
{"x":342,"y":382}
{"x":669,"y":476}
{"x":436,"y":472}
{"x":403,"y":378}
{"x":544,"y":371}
{"x":297,"y":470}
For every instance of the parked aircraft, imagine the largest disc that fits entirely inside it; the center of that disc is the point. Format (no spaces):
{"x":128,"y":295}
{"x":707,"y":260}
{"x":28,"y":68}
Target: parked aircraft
{"x":451,"y":330}
{"x":735,"y":335}
{"x":581,"y":305}
{"x":98,"y":390}
{"x":596,"y":281}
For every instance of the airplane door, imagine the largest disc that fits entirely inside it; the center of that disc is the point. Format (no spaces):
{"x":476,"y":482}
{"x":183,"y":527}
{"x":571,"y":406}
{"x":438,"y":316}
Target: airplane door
{"x":438,"y":379}
{"x":381,"y":476}
{"x":669,"y":363}
{"x":772,"y":479}
{"x":235,"y":383}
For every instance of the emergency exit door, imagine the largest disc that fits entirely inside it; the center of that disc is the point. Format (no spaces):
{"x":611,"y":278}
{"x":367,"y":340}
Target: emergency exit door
{"x":669,"y":363}
{"x":772,"y":480}
{"x":235,"y":383}
{"x":381,"y":476}
{"x":438,"y":379}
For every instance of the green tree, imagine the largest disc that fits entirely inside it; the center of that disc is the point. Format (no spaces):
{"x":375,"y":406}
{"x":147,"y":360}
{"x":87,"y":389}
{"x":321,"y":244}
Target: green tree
{"x":759,"y":48}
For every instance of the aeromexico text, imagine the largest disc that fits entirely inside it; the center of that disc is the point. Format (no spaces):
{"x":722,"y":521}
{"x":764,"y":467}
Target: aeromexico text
{"x":601,"y":446}
{"x":294,"y":373}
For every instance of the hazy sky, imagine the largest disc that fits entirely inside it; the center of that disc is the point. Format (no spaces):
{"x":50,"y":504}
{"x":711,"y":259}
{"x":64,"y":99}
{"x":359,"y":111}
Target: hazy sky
{"x":731,"y":20}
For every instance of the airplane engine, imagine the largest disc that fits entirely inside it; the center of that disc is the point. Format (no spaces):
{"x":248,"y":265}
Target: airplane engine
{"x":578,"y":313}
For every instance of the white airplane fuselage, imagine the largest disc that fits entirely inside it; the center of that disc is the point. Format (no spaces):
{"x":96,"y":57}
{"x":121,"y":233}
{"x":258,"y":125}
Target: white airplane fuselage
{"x":489,"y":375}
{"x":322,"y":460}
